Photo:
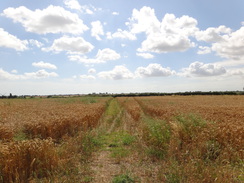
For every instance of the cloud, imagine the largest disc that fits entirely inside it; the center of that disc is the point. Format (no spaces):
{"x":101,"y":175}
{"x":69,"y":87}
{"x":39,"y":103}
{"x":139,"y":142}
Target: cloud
{"x":92,"y":71}
{"x":14,"y":71}
{"x":75,"y":5}
{"x":118,"y":73}
{"x":212,"y":34}
{"x":145,"y":55}
{"x":10,"y":41}
{"x":143,"y":20}
{"x":235,"y":72}
{"x":153,"y":70}
{"x":170,"y":35}
{"x":97,"y":29}
{"x":115,"y":13}
{"x":102,"y":56}
{"x":232,"y":45}
{"x":44,"y":65}
{"x":40,"y":74}
{"x":89,"y":77}
{"x":107,"y":54}
{"x":199,"y":69}
{"x":72,"y":4}
{"x":4,"y":75}
{"x":204,"y":50}
{"x":35,"y":43}
{"x":224,"y":42}
{"x":231,"y":63}
{"x":72,"y":45}
{"x":53,"y":19}
{"x":122,"y":34}
{"x":158,"y":43}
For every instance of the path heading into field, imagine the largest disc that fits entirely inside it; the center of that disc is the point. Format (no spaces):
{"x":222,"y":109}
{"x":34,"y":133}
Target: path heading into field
{"x":119,"y":154}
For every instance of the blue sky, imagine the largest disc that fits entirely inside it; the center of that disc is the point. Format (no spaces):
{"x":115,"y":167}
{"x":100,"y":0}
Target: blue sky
{"x":74,"y":46}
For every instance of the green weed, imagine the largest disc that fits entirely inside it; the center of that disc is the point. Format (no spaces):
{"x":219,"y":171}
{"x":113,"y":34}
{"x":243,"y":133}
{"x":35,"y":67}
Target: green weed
{"x":173,"y":174}
{"x":156,"y":134}
{"x":123,"y":178}
{"x":112,"y":110}
{"x":127,"y":139}
{"x":89,"y":144}
{"x":119,"y":152}
{"x":19,"y":136}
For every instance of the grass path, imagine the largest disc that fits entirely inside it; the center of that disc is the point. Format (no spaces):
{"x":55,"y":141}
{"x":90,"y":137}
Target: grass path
{"x":119,"y":157}
{"x":103,"y":166}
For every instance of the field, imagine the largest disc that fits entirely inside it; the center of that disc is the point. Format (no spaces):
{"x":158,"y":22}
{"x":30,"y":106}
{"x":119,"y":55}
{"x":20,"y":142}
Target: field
{"x":124,"y":139}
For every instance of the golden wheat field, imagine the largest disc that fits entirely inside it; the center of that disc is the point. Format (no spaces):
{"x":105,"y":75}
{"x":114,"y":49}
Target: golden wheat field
{"x":184,"y":139}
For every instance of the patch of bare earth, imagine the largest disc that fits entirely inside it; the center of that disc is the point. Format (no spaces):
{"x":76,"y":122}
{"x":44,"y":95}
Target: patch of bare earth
{"x":104,"y":167}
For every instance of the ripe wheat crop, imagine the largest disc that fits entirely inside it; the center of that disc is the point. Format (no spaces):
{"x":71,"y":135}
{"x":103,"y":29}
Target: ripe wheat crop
{"x":31,"y":131}
{"x":206,"y":131}
{"x":194,"y":138}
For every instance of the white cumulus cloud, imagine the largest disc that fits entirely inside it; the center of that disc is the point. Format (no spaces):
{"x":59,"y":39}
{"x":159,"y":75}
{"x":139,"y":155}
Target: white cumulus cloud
{"x":53,"y":19}
{"x":159,"y":43}
{"x":107,"y":54}
{"x":72,"y":45}
{"x":122,"y":34}
{"x":72,"y":4}
{"x":40,"y":74}
{"x":44,"y":65}
{"x":170,"y":35}
{"x":199,"y":69}
{"x":115,"y":13}
{"x":145,"y":55}
{"x":97,"y":29}
{"x":75,"y":5}
{"x":4,"y":75}
{"x":153,"y":70}
{"x":212,"y":34}
{"x":119,"y":72}
{"x":89,"y":77}
{"x":102,"y":56}
{"x":10,"y":41}
{"x":143,"y":20}
{"x":232,"y":45}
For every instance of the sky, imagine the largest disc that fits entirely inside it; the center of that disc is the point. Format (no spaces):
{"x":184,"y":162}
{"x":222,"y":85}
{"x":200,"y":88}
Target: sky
{"x":120,"y":46}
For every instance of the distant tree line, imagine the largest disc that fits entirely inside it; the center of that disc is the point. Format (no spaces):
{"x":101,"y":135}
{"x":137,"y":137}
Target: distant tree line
{"x":180,"y":93}
{"x":188,"y":93}
{"x":11,"y":96}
